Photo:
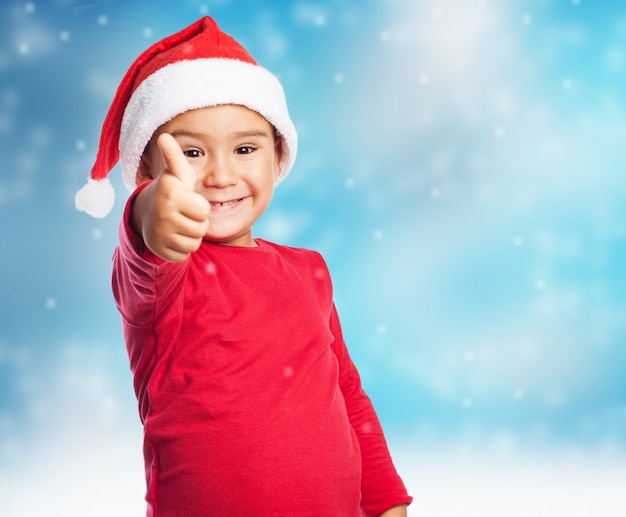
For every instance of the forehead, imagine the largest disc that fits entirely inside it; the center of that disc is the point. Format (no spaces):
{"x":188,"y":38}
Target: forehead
{"x":220,"y":119}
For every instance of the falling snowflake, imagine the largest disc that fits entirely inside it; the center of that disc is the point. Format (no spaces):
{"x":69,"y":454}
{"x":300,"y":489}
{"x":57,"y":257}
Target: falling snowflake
{"x":320,"y":20}
{"x":319,"y":273}
{"x":367,"y":427}
{"x":437,"y":14}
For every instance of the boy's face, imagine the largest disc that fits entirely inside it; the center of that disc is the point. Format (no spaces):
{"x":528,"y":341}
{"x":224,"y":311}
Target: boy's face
{"x":236,"y":158}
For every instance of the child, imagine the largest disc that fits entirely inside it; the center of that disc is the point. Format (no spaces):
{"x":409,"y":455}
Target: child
{"x":250,"y":403}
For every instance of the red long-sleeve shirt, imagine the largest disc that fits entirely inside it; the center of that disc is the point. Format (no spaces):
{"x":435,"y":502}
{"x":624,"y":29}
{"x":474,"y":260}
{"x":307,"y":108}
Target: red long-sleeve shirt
{"x":250,"y":402}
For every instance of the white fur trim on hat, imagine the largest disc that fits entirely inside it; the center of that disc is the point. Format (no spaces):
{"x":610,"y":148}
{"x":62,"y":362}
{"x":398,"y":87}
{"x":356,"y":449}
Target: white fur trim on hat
{"x":96,"y":198}
{"x":200,"y":83}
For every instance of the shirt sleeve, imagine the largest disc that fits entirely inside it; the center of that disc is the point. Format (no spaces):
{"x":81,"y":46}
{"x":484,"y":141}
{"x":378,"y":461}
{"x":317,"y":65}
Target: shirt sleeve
{"x":142,"y":282}
{"x":149,"y":296}
{"x":381,"y":486}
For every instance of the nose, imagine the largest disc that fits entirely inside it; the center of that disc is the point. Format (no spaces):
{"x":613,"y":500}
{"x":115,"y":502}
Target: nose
{"x":218,"y":172}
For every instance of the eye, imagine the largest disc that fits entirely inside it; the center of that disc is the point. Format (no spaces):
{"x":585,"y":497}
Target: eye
{"x":192,"y":153}
{"x":245,"y":149}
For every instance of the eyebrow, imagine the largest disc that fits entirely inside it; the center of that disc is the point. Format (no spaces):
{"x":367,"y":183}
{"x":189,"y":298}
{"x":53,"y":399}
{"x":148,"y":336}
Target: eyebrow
{"x":236,"y":134}
{"x":253,"y":132}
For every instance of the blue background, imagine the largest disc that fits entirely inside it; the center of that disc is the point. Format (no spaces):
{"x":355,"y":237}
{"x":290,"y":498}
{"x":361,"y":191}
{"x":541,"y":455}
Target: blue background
{"x":461,"y":168}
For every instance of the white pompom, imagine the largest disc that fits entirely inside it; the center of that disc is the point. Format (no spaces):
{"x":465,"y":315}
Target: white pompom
{"x":96,"y":198}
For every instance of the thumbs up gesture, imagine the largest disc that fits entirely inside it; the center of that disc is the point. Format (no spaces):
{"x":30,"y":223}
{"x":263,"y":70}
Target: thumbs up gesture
{"x":170,"y":216}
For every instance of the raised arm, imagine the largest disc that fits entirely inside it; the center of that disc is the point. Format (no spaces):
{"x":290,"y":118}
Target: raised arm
{"x":168,"y":214}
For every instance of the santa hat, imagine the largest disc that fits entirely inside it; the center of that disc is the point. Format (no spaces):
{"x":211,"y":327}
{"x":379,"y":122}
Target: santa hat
{"x":198,"y":67}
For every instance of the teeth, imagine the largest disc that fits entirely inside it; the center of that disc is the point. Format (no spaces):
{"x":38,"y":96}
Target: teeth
{"x":223,"y":203}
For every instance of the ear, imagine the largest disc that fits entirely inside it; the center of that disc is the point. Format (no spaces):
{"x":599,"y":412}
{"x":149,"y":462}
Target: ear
{"x":144,"y":171}
{"x":278,"y":155}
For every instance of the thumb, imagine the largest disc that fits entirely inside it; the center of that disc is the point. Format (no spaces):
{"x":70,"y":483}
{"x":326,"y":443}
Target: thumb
{"x":176,"y":162}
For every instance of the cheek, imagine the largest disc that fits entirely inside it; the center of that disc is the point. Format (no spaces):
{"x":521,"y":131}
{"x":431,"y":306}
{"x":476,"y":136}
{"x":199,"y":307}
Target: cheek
{"x":153,"y":163}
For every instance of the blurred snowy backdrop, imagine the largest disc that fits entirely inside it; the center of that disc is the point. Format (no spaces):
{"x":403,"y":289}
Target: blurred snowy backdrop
{"x":461,"y":167}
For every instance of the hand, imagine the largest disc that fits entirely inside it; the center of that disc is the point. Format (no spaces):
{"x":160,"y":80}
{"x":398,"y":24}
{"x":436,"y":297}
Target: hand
{"x":171,"y":217}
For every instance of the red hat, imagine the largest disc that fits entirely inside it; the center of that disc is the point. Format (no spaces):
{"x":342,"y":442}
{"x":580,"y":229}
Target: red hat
{"x":198,"y":67}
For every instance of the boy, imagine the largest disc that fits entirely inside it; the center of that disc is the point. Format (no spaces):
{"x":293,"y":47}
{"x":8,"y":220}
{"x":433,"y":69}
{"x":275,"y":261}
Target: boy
{"x":250,"y":403}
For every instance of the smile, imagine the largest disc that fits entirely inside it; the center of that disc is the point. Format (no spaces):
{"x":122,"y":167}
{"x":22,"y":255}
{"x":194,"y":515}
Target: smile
{"x":225,"y":205}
